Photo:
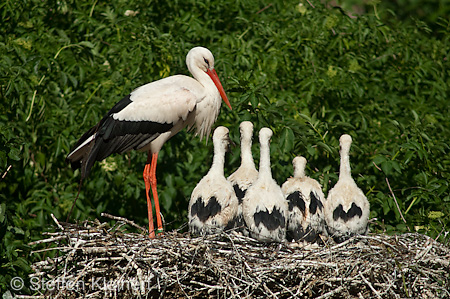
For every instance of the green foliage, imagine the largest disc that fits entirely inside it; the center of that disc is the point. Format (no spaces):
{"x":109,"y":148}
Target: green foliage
{"x":310,"y":74}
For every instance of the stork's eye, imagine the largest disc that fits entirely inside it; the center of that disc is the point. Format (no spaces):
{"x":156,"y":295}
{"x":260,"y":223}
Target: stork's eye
{"x":206,"y":61}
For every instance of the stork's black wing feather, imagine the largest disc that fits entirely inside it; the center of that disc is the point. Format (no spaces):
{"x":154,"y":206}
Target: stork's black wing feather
{"x":115,"y":136}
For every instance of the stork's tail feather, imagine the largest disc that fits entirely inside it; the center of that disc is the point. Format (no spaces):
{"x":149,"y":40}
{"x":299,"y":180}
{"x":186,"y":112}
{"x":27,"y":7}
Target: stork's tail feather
{"x":81,"y":152}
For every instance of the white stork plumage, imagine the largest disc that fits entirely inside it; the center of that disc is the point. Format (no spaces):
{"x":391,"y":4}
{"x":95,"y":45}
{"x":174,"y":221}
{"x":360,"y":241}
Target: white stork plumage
{"x":346,"y":208}
{"x":150,"y":115}
{"x":213,"y":205}
{"x":246,"y":174}
{"x":305,"y":199}
{"x":264,"y":207}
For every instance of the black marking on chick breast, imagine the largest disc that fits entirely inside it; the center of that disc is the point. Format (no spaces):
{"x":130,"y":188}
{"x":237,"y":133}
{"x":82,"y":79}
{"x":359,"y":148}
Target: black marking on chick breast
{"x":346,"y":216}
{"x":239,"y":192}
{"x":314,"y":203}
{"x":295,"y":199}
{"x":271,"y":221}
{"x":205,"y":212}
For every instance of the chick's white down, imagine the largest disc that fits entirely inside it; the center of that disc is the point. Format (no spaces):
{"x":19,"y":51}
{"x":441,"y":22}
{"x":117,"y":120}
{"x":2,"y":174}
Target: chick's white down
{"x":305,"y":200}
{"x":213,"y":205}
{"x":346,"y":208}
{"x":246,"y":174}
{"x":264,"y":206}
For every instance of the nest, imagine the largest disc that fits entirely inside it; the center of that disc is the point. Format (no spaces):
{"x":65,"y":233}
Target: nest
{"x":94,"y":260}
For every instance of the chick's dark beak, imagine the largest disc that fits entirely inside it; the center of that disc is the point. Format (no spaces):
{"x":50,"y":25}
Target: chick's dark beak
{"x":231,"y":145}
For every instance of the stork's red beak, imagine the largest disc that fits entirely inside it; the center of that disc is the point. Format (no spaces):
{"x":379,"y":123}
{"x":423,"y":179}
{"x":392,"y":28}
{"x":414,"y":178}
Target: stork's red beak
{"x":212,"y":73}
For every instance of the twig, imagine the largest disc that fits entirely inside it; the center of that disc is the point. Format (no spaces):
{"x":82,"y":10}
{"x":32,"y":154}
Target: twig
{"x":310,"y":4}
{"x":377,"y":166}
{"x":124,"y":220}
{"x":396,"y":203}
{"x":6,"y":172}
{"x":379,"y":240}
{"x":393,"y":195}
{"x":75,"y":200}
{"x":369,"y":284}
{"x":56,"y":221}
{"x":49,"y":240}
{"x":264,"y":8}
{"x":207,"y":285}
{"x":61,"y":248}
{"x":330,"y":293}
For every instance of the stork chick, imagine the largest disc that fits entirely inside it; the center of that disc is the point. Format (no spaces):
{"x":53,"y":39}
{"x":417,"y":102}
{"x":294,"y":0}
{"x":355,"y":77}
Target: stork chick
{"x":264,"y":207}
{"x":305,"y":201}
{"x":213,"y":206}
{"x":346,"y":208}
{"x":246,"y":174}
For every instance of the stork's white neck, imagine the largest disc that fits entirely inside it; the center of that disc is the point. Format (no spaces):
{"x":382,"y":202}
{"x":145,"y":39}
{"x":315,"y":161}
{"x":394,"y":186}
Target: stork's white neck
{"x":345,"y":170}
{"x":218,"y":159}
{"x":246,"y":152}
{"x":299,"y":172}
{"x":299,"y":164}
{"x":202,"y":77}
{"x":264,"y":160}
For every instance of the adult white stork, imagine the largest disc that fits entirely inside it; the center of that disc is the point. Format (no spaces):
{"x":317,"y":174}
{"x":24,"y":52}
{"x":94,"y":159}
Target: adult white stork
{"x":246,"y":174}
{"x":264,"y":206}
{"x":213,"y":206}
{"x":146,"y":118}
{"x":305,"y":199}
{"x":346,"y":208}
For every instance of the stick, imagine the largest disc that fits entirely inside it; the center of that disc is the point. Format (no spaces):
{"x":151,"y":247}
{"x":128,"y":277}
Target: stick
{"x":263,"y":9}
{"x":393,"y":195}
{"x":369,"y":284}
{"x":56,"y":221}
{"x":396,"y":203}
{"x":330,"y":293}
{"x":310,"y":4}
{"x":124,"y":220}
{"x":47,"y":240}
{"x":75,"y":201}
{"x":6,"y":172}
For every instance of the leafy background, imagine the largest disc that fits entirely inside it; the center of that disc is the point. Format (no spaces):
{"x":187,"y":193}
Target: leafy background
{"x":310,"y":71}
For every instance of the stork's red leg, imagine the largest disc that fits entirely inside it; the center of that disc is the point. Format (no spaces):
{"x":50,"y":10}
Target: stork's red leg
{"x":148,"y":180}
{"x":155,"y":193}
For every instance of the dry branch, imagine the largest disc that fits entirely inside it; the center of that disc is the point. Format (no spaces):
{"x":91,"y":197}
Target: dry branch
{"x":93,"y":261}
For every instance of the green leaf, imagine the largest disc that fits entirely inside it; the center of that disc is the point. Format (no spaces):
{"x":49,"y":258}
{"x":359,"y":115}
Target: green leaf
{"x":14,"y":154}
{"x":16,"y":230}
{"x":286,"y":140}
{"x":386,"y":166}
{"x":86,"y":44}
